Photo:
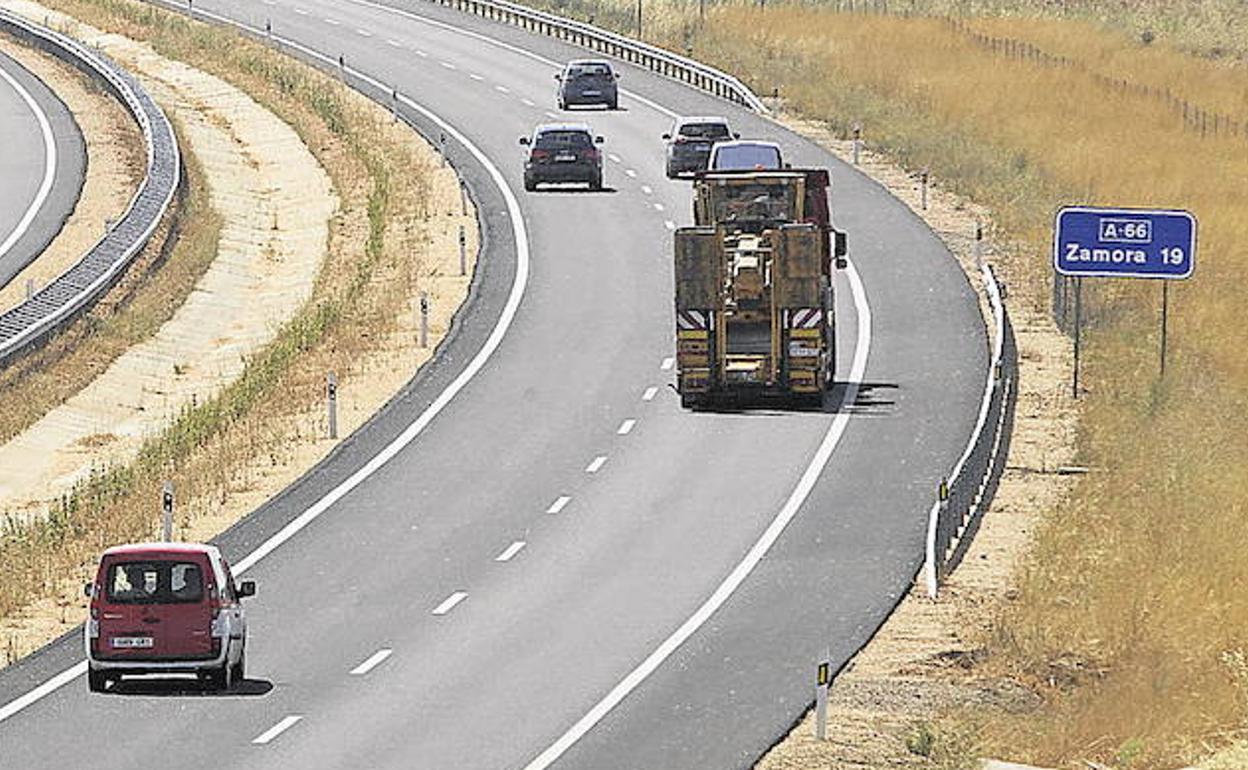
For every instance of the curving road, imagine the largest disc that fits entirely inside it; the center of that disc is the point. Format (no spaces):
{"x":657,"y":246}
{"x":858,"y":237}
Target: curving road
{"x":523,"y":580}
{"x":42,"y":171}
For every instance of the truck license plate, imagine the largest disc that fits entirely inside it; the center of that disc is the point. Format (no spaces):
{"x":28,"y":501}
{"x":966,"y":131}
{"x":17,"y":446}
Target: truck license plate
{"x":130,"y":642}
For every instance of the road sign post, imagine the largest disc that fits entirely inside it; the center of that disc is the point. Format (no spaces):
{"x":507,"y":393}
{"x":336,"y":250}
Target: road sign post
{"x":1123,"y":243}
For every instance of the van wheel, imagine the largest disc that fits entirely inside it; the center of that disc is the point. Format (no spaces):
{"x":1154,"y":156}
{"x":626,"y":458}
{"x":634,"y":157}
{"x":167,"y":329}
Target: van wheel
{"x":239,"y":672}
{"x":219,"y":678}
{"x":96,"y":680}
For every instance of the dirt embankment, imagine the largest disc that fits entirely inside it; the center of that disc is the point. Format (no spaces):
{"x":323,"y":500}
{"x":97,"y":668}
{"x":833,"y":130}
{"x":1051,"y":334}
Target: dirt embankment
{"x":883,"y":708}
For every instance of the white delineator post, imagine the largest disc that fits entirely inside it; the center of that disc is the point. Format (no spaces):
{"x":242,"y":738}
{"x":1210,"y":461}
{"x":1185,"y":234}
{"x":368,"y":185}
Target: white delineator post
{"x":331,"y":403}
{"x":857,"y":141}
{"x":424,"y":319}
{"x":463,"y":251}
{"x":166,"y":511}
{"x":823,"y":678}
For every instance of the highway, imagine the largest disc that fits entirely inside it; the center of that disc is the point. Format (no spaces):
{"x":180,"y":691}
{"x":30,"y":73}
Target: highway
{"x":562,"y":568}
{"x":42,"y":172}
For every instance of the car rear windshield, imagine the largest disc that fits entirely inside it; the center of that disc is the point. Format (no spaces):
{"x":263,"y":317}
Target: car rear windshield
{"x":746,"y":157}
{"x":154,"y":582}
{"x":588,"y":71}
{"x":559,"y":140}
{"x":704,"y":131}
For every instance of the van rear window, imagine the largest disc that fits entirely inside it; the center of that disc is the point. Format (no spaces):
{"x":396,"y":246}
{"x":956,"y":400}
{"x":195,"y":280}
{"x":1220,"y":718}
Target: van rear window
{"x":154,"y":582}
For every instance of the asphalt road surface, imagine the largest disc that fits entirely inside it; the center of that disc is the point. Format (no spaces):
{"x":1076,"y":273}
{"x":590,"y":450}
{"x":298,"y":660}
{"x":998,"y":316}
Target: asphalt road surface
{"x":539,"y":558}
{"x":42,"y":167}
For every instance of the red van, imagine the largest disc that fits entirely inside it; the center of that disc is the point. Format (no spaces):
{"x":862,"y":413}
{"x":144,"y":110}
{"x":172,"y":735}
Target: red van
{"x":166,"y":608}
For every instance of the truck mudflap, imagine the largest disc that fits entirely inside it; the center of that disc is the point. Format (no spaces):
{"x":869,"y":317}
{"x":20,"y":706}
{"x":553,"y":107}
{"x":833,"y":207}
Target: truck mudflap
{"x":805,"y":354}
{"x":693,"y":350}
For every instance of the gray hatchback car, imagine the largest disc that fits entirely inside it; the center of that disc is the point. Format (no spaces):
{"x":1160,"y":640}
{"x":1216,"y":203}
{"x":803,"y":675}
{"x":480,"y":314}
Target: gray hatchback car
{"x":562,"y":152}
{"x":587,"y":81}
{"x":689,"y":143}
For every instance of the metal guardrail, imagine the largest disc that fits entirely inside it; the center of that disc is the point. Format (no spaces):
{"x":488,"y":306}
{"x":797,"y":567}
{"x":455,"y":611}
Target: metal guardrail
{"x":34,"y":321}
{"x":961,"y":499}
{"x":651,"y":57}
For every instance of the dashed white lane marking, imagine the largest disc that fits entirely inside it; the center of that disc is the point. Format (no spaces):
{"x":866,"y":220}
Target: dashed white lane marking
{"x":596,"y":464}
{"x":332,"y":22}
{"x":650,"y":393}
{"x":447,"y":64}
{"x":394,"y":43}
{"x":614,"y":158}
{"x":559,"y":504}
{"x":449,"y":602}
{"x":647,"y":189}
{"x":373,"y":662}
{"x":551,"y":115}
{"x":631,"y":173}
{"x":626,"y":427}
{"x":276,"y":730}
{"x":511,"y":551}
{"x":421,"y":53}
{"x":301,"y":11}
{"x":270,"y":2}
{"x":502,"y":89}
{"x":363,"y":33}
{"x":528,"y":102}
{"x":667,"y":363}
{"x":669,"y":224}
{"x":658,"y":207}
{"x":475,"y":76}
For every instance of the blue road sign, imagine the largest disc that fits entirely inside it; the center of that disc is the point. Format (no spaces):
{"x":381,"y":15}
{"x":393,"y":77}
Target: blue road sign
{"x":1124,"y":243}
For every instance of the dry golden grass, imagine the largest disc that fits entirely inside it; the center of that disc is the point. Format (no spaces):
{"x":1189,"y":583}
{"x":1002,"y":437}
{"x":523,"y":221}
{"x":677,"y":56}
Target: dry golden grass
{"x":1133,"y":607}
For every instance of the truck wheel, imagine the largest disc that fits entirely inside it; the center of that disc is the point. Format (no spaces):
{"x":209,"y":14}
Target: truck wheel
{"x":97,"y":681}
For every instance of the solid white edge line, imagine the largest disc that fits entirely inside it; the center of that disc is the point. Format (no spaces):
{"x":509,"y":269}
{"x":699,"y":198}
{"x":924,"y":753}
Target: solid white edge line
{"x":409,"y":434}
{"x":559,"y":504}
{"x":450,"y":602}
{"x":49,"y":166}
{"x":649,"y":394}
{"x":372,"y":662}
{"x":626,"y":427}
{"x":277,"y":729}
{"x":596,"y":464}
{"x":738,"y":575}
{"x":510,"y":551}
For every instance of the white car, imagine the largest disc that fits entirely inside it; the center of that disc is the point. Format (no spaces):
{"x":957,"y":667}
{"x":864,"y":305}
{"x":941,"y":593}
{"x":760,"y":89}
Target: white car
{"x":745,"y":155}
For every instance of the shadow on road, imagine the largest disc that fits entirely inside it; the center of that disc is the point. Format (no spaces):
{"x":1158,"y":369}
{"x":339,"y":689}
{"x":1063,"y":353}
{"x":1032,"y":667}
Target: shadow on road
{"x":189,"y":688}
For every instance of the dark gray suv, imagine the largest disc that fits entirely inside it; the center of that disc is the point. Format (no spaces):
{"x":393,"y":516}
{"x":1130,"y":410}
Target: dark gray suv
{"x":587,"y":81}
{"x":689,"y":143}
{"x":562,"y":152}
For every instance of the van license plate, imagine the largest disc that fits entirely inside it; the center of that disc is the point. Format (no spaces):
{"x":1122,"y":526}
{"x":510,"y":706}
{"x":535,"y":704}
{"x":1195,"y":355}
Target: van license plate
{"x":131,"y":642}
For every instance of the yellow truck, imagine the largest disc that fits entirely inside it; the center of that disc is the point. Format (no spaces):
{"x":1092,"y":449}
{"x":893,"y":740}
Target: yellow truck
{"x":755,"y":317}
